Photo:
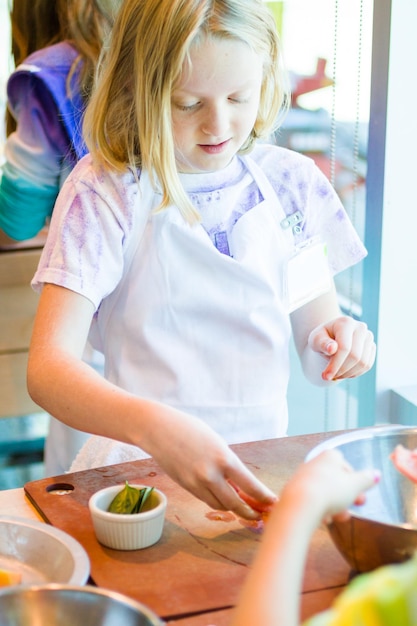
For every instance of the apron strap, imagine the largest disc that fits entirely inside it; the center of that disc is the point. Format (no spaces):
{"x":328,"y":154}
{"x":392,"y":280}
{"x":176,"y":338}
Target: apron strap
{"x":289,"y":223}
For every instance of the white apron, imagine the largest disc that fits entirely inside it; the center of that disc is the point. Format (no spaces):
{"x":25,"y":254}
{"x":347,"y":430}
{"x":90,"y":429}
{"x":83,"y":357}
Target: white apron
{"x":201,"y":331}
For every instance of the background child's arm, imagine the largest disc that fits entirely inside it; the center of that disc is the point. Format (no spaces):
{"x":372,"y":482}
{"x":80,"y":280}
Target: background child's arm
{"x":319,"y":489}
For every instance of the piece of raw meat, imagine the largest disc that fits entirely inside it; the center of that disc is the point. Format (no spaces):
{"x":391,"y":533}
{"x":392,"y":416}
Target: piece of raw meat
{"x":405,"y":461}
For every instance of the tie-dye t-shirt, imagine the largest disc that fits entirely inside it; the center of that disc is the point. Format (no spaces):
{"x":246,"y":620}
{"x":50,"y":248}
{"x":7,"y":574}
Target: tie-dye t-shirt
{"x":222,"y":197}
{"x":93,"y":220}
{"x":47,"y":142}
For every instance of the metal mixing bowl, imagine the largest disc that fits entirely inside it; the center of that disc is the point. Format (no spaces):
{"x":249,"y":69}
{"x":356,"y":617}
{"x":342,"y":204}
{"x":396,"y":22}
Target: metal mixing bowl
{"x":66,"y":605}
{"x":384,"y":529}
{"x":41,"y":553}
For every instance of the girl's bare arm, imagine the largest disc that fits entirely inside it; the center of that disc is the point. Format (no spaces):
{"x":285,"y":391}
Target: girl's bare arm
{"x":65,"y":386}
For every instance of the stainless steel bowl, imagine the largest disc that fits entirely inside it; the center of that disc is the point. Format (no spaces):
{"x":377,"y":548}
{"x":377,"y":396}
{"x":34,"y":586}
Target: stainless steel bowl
{"x":384,"y":529}
{"x":41,"y":553}
{"x":66,"y":605}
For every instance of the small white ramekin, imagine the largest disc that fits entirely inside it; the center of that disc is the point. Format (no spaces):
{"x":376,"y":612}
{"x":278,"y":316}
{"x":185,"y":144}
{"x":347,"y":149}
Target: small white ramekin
{"x":129,"y":531}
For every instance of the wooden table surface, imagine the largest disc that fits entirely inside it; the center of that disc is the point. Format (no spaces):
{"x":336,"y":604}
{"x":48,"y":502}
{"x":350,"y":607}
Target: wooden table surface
{"x":193,"y":575}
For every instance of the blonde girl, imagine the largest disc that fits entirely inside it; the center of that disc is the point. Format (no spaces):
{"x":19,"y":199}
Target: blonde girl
{"x":171,"y":249}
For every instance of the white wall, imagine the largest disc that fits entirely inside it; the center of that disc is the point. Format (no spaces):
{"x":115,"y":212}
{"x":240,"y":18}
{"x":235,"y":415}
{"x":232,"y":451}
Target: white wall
{"x":397,"y":327}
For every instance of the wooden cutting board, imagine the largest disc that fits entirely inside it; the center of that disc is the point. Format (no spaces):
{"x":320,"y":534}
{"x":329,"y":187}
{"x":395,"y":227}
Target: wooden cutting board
{"x":200,"y":562}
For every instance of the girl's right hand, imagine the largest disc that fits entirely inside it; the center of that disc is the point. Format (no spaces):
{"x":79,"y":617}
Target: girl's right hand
{"x":199,"y":460}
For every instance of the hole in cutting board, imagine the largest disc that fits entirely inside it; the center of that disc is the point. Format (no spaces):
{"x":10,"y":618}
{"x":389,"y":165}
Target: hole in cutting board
{"x":60,"y":489}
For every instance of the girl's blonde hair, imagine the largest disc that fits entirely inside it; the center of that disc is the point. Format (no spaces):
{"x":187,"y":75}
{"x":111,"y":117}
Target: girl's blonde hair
{"x":36,"y":24}
{"x":128,"y":120}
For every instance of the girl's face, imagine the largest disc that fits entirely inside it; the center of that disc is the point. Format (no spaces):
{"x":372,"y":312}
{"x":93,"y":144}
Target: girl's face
{"x":215,"y":104}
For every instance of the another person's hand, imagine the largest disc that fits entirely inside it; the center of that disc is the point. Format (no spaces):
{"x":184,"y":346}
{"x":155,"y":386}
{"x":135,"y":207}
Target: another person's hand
{"x":347,"y":344}
{"x":319,"y":490}
{"x":329,"y":485}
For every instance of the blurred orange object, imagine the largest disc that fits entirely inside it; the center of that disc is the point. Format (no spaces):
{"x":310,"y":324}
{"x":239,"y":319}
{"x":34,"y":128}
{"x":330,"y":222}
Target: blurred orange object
{"x":8,"y":577}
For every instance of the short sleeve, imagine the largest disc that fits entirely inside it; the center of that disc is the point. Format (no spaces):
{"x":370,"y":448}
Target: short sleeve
{"x":90,"y":226}
{"x":301,"y":186}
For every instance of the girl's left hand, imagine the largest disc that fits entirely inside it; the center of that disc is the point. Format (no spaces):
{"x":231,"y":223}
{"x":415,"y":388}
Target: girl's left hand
{"x":348,"y":344}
